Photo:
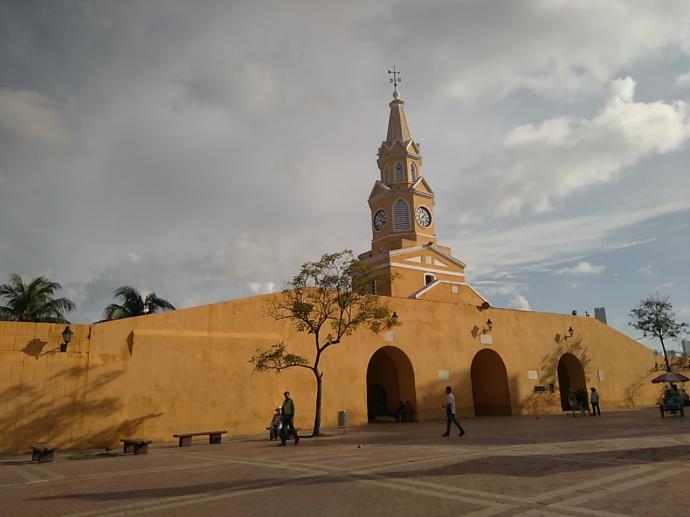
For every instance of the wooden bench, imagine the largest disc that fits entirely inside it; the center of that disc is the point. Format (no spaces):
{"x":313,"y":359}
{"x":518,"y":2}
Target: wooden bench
{"x":186,"y":439}
{"x":43,"y":453}
{"x":136,"y":445}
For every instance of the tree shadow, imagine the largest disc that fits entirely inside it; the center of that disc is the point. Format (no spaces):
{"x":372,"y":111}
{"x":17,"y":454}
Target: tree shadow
{"x":55,"y":411}
{"x":534,"y":466}
{"x":550,"y":401}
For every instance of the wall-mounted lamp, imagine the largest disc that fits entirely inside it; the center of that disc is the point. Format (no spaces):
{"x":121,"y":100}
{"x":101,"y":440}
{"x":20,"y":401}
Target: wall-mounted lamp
{"x":489,"y":326}
{"x":66,"y":338}
{"x":393,"y":320}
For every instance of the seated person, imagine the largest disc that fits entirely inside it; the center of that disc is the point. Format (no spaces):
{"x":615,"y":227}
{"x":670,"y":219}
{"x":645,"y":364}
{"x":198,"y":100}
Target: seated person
{"x":400,"y":413}
{"x":276,"y":423}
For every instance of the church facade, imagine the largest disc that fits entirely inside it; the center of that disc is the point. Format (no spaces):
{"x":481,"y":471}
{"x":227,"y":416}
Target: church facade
{"x":188,"y":370}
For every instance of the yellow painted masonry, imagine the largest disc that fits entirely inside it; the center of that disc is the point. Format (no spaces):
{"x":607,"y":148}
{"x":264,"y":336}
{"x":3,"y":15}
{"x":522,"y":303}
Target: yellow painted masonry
{"x":188,"y":370}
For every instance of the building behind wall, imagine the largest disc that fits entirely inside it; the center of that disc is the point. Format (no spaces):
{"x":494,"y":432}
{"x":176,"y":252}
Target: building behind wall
{"x":188,"y":370}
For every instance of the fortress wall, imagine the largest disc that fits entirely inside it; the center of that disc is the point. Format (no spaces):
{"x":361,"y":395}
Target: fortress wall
{"x":188,"y":370}
{"x":41,"y":389}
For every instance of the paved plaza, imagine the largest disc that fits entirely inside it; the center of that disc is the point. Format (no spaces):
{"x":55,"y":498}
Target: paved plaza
{"x":624,"y":463}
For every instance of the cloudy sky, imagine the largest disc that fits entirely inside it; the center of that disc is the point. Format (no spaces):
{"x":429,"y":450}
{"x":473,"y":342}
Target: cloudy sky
{"x":206,"y":149}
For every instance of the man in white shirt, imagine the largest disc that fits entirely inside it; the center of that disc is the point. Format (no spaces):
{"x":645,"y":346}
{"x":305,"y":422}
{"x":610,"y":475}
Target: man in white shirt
{"x":450,"y":412}
{"x":595,"y":402}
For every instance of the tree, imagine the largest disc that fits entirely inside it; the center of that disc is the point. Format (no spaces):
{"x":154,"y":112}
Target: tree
{"x":654,"y":317}
{"x":326,"y":297}
{"x":134,"y":305}
{"x":34,"y":301}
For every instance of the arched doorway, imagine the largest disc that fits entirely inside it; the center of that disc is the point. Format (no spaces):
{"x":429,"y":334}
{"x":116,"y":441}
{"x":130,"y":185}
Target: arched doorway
{"x":490,"y":384}
{"x":571,"y":374}
{"x":390,"y":380}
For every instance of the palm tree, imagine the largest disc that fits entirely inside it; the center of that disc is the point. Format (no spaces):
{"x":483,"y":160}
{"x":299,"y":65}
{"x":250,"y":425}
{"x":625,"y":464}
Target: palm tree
{"x":34,"y":301}
{"x":134,"y":305}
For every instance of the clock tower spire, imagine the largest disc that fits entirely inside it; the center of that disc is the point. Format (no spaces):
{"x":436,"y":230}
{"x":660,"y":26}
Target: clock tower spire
{"x":403,"y":225}
{"x":401,"y":202}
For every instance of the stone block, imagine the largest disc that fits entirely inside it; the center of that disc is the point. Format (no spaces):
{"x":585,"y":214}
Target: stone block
{"x":6,"y":342}
{"x":20,"y":328}
{"x":16,"y":373}
{"x":5,"y":370}
{"x":27,"y":373}
{"x":13,"y":357}
{"x":41,"y":372}
{"x":17,"y":404}
{"x":42,"y":330}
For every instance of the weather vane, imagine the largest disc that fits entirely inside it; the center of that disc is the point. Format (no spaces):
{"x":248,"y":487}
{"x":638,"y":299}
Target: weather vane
{"x":395,"y":79}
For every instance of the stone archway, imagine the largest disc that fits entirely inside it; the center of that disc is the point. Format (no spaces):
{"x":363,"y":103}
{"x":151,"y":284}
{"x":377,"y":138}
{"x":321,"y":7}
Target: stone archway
{"x":571,"y":374}
{"x":390,"y":380}
{"x":490,"y":384}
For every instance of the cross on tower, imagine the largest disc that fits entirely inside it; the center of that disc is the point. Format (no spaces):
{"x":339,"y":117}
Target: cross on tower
{"x":395,"y":79}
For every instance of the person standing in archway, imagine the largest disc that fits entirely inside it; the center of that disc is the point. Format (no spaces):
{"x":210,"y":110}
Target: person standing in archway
{"x":595,"y":402}
{"x":450,"y":412}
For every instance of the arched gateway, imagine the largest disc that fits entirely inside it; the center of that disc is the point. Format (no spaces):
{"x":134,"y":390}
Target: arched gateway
{"x":390,"y":380}
{"x":571,"y":374}
{"x":490,"y":384}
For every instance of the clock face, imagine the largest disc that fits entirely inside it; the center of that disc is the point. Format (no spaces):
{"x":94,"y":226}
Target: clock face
{"x":380,"y":219}
{"x":423,"y":217}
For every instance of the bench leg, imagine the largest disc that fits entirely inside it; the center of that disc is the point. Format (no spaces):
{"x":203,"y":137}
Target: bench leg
{"x":214,"y":438}
{"x":141,"y":449}
{"x":185,"y":441}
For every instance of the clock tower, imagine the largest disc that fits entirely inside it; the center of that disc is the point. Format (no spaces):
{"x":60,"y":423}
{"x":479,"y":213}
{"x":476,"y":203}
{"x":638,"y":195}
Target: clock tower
{"x":403,"y":224}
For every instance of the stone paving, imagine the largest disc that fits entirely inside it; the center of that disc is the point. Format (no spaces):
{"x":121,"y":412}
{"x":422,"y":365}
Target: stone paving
{"x":624,"y":463}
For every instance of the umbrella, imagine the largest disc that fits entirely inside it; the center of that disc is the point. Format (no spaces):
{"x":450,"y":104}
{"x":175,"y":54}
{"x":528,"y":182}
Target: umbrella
{"x":670,"y":377}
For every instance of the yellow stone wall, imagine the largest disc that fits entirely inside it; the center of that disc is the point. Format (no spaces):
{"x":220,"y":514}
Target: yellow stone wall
{"x":188,"y":370}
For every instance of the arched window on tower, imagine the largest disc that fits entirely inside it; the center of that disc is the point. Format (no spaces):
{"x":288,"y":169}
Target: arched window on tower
{"x":428,"y":278}
{"x":386,"y":175}
{"x":399,"y":172}
{"x":413,"y":172}
{"x":401,"y":216}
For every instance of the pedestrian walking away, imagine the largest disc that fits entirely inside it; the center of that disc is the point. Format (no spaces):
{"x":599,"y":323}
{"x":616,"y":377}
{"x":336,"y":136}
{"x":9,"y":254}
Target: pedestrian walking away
{"x":450,"y":412}
{"x":288,"y":410}
{"x":595,"y":402}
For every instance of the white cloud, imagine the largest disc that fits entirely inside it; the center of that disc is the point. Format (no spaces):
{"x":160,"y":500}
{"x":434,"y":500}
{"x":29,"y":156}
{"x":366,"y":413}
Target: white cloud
{"x":533,"y":246}
{"x":34,"y":118}
{"x":133,"y":257}
{"x":582,"y":268}
{"x":557,"y":157}
{"x":683,"y":80}
{"x":648,"y":270}
{"x":555,"y":48}
{"x":520,"y":303}
{"x":259,"y":288}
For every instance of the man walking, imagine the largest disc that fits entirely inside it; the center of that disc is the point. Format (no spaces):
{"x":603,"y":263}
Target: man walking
{"x":450,"y":413}
{"x":595,"y":402}
{"x":288,"y":420}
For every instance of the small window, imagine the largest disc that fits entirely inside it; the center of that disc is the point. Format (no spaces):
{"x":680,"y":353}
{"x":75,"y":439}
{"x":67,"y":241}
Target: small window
{"x":428,"y":279}
{"x":413,"y":172}
{"x":399,"y":172}
{"x":401,"y":216}
{"x":386,"y":175}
